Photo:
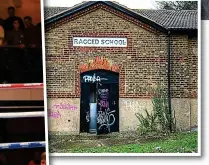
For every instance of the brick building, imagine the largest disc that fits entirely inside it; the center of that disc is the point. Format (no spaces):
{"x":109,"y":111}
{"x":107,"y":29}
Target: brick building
{"x":104,"y":62}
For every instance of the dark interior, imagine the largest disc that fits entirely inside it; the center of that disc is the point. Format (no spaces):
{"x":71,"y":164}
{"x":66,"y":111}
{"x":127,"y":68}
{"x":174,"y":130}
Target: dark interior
{"x":21,"y":129}
{"x":20,"y":156}
{"x":21,"y":65}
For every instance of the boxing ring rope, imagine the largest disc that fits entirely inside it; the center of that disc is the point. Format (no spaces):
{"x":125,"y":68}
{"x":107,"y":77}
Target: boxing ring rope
{"x":21,"y":107}
{"x":22,"y":145}
{"x":21,"y":115}
{"x":27,"y":85}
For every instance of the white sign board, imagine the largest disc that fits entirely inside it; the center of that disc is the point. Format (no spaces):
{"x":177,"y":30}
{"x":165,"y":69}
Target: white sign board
{"x":99,"y":42}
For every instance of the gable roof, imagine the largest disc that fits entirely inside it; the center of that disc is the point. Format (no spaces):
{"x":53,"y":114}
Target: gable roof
{"x":50,"y":12}
{"x":161,"y":19}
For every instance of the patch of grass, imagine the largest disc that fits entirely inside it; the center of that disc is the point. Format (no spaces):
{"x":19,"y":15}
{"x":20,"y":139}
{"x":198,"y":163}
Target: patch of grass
{"x":176,"y":143}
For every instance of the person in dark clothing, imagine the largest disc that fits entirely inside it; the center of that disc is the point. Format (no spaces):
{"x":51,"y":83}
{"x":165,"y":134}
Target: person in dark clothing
{"x":15,"y":59}
{"x":28,"y":22}
{"x":8,"y":23}
{"x":15,"y":37}
{"x":32,"y":36}
{"x":39,"y":34}
{"x":31,"y":33}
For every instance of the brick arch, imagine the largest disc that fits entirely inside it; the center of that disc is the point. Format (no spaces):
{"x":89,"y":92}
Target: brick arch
{"x":99,"y":63}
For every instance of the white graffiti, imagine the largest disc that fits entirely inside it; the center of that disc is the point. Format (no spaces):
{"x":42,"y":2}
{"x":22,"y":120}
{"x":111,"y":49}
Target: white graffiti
{"x":134,"y":105}
{"x":103,"y":93}
{"x":104,"y":118}
{"x":93,"y":78}
{"x":87,"y":116}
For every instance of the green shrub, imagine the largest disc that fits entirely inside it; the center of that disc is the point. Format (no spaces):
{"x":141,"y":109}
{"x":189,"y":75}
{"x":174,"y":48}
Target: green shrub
{"x":148,"y":124}
{"x":160,"y":119}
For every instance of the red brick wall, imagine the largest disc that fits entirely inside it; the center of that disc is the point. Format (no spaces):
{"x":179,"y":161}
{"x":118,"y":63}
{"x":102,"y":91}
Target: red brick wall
{"x":184,"y":68}
{"x":143,"y":63}
{"x":193,"y":66}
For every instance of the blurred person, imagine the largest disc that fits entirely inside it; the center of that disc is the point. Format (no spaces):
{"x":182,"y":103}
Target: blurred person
{"x":1,"y":35}
{"x":15,"y":61}
{"x":32,"y":38}
{"x":15,"y":37}
{"x":8,"y":23}
{"x":39,"y":35}
{"x":43,"y":158}
{"x":28,"y":22}
{"x":36,"y":159}
{"x":31,"y":33}
{"x":1,"y":32}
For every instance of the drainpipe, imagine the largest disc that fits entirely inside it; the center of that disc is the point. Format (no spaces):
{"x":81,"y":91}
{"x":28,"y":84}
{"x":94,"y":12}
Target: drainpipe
{"x":169,"y":81}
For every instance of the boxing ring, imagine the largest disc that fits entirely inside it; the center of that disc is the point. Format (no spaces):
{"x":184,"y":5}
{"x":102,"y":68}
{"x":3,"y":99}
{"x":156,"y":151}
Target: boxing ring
{"x":9,"y":115}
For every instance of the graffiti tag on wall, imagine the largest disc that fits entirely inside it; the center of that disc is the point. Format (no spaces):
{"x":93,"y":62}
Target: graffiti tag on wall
{"x":56,"y":114}
{"x":133,"y":105}
{"x":53,"y":114}
{"x":65,"y":106}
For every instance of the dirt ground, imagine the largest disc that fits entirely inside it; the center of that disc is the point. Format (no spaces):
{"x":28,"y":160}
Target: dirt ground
{"x":65,"y":143}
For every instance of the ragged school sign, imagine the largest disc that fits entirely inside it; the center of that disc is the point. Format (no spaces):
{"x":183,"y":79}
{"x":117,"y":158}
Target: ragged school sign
{"x":99,"y":42}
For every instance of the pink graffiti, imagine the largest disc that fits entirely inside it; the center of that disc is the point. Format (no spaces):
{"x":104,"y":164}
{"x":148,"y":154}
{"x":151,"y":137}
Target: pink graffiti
{"x":104,"y":103}
{"x":65,"y":106}
{"x":53,"y":114}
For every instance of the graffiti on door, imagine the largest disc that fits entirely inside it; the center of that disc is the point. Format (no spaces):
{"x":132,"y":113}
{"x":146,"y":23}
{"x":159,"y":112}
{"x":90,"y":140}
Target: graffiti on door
{"x":104,"y":103}
{"x":92,"y":79}
{"x":101,"y":88}
{"x":103,"y":94}
{"x":105,"y":118}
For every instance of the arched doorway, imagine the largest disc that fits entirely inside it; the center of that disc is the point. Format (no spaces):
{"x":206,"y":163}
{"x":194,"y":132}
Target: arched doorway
{"x":99,"y":109}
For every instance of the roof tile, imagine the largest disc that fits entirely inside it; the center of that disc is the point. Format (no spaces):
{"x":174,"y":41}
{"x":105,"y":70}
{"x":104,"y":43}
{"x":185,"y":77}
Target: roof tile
{"x":172,"y":19}
{"x":169,"y":19}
